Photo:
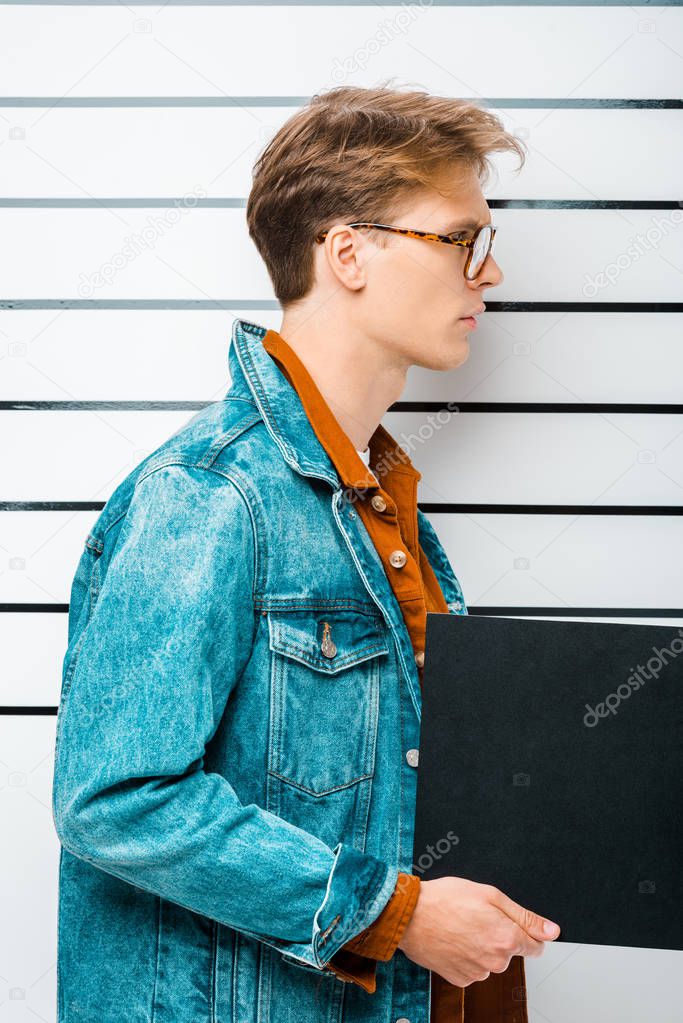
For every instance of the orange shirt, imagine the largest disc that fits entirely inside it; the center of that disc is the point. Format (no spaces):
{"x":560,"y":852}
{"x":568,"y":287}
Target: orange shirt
{"x":388,"y":509}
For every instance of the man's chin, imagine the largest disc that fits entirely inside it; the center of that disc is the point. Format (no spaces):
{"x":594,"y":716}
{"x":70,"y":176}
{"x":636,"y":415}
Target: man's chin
{"x":450,"y":356}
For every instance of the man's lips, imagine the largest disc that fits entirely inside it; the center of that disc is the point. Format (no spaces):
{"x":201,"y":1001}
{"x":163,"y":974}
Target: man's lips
{"x":475,"y":312}
{"x":471,"y":318}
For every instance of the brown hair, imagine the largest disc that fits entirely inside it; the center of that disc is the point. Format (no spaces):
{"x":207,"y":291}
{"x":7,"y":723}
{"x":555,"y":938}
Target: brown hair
{"x":358,"y":153}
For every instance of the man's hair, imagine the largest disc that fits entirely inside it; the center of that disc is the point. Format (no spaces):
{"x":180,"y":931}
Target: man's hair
{"x":359,"y":153}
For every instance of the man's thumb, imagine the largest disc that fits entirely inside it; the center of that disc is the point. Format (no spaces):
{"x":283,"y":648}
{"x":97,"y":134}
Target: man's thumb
{"x":536,"y":926}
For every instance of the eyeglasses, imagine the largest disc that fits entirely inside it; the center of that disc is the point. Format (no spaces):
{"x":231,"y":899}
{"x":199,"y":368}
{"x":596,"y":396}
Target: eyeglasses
{"x":479,"y":245}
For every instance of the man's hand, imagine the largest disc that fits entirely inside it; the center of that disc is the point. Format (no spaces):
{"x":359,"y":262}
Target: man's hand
{"x":464,"y":930}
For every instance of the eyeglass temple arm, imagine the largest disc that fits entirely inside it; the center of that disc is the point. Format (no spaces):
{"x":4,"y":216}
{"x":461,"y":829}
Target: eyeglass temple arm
{"x":466,"y":242}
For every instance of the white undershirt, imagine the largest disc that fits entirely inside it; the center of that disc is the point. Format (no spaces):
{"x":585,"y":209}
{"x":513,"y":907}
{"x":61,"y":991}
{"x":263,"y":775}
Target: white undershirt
{"x":365,"y":455}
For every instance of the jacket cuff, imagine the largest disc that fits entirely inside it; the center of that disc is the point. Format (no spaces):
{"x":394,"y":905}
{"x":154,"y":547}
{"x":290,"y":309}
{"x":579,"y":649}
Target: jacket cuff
{"x":358,"y":888}
{"x":380,"y":939}
{"x":356,"y":960}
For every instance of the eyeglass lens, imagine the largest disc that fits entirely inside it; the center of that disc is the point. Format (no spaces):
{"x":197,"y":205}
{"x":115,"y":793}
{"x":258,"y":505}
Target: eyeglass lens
{"x":480,"y":251}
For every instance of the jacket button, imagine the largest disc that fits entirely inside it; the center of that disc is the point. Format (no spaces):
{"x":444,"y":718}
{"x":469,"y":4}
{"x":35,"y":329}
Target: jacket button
{"x":402,"y":1019}
{"x":328,"y":647}
{"x":398,"y":558}
{"x":412,"y":756}
{"x":420,"y":658}
{"x":378,"y":503}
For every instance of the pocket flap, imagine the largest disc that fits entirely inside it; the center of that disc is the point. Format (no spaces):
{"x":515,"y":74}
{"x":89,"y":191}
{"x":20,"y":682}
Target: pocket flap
{"x":348,"y":637}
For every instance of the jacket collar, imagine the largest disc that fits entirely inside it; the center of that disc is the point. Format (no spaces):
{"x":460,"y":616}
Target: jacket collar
{"x":255,"y":373}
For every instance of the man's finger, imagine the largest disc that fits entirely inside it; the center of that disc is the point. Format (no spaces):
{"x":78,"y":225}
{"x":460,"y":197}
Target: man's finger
{"x":536,"y":926}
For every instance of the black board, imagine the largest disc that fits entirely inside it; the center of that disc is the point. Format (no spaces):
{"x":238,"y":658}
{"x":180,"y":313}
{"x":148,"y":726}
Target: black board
{"x":551,"y":766}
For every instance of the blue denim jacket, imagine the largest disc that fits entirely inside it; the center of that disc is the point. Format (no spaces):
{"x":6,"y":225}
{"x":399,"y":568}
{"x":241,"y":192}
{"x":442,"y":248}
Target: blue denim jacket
{"x":233,"y":804}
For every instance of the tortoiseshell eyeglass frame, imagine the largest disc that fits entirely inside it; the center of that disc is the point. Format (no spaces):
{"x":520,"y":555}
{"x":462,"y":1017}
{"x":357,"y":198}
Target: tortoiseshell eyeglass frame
{"x":430,"y":236}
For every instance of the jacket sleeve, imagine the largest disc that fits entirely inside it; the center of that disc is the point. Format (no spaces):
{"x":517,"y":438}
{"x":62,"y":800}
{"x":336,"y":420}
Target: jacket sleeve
{"x":168,"y":631}
{"x":357,"y":959}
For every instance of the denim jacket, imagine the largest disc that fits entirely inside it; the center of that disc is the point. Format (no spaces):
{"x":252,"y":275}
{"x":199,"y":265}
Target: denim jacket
{"x":233,"y":803}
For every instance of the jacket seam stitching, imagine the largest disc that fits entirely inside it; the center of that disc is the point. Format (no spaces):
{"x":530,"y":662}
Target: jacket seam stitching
{"x":210,"y":456}
{"x":262,"y":395}
{"x":286,"y":604}
{"x":213,"y":971}
{"x":353,"y":657}
{"x":322,"y":792}
{"x":156,"y":964}
{"x":239,"y":488}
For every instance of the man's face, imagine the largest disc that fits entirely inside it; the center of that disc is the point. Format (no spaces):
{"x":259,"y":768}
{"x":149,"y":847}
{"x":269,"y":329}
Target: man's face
{"x":416,"y":297}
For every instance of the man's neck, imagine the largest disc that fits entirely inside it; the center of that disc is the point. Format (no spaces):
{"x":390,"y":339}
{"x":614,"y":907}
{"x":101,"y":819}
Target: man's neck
{"x":356,"y":376}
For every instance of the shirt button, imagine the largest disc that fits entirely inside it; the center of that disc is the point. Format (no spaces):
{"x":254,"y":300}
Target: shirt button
{"x":420,"y":658}
{"x":378,"y":503}
{"x":402,"y":1019}
{"x":398,"y":558}
{"x":412,"y":756}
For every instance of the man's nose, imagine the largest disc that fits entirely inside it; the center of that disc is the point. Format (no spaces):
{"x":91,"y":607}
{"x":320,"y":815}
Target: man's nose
{"x":490,"y":276}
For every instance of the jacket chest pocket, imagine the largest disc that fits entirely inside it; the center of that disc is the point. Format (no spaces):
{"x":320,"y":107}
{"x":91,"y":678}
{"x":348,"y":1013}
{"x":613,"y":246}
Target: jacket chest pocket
{"x":325,"y":670}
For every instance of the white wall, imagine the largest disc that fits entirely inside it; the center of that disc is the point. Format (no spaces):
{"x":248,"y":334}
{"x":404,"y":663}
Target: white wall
{"x":88,"y":159}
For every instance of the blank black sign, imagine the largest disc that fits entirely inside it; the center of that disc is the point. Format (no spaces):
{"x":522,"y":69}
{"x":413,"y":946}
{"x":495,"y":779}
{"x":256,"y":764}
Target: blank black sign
{"x":551,"y":766}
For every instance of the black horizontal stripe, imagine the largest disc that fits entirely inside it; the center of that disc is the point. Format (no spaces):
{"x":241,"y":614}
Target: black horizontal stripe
{"x":126,"y":202}
{"x":28,"y":711}
{"x":237,"y":202}
{"x":42,"y":405}
{"x":480,"y":609}
{"x":584,"y":408}
{"x":10,"y":607}
{"x":141,"y":303}
{"x":472,"y":508}
{"x":546,"y":407}
{"x":429,"y":508}
{"x":61,"y":506}
{"x":585,"y":204}
{"x":579,"y":612}
{"x":265,"y":304}
{"x":509,"y":102}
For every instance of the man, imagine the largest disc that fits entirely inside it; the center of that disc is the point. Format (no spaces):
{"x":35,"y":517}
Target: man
{"x":238,"y":730}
